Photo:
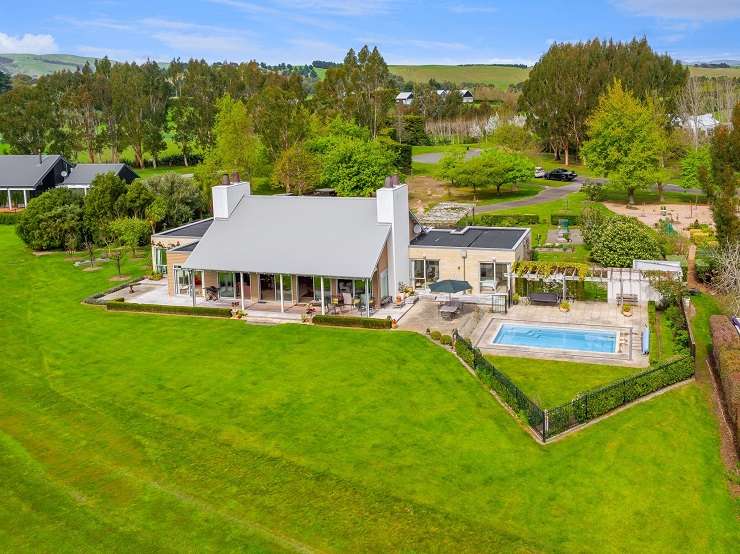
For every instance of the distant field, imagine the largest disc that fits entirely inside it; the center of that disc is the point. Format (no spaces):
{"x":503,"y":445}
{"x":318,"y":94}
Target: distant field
{"x":36,"y":65}
{"x":499,"y":76}
{"x":715,"y":72}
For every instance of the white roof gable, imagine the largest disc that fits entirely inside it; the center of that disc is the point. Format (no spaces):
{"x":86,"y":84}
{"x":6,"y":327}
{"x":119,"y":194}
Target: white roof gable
{"x":404,"y":95}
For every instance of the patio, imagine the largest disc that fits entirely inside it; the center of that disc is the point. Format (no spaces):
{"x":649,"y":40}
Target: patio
{"x":582,"y":315}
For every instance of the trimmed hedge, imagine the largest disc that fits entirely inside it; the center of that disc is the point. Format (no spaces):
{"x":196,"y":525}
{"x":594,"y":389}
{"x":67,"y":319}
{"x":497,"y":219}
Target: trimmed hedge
{"x":177,"y":310}
{"x":352,"y":321}
{"x":598,"y":402}
{"x":95,"y":298}
{"x":573,"y":219}
{"x":499,"y":220}
{"x":723,"y":332}
{"x":9,"y":218}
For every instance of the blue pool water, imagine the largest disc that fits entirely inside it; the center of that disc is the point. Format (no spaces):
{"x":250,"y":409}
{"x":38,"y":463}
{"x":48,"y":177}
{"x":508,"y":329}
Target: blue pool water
{"x":561,"y":338}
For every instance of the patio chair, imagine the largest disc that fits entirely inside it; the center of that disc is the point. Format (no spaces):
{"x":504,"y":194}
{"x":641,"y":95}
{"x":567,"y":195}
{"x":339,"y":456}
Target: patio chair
{"x":347,"y":300}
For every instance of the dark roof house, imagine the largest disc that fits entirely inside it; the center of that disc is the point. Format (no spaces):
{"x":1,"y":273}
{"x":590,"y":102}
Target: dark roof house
{"x":32,"y":171}
{"x":82,"y":175}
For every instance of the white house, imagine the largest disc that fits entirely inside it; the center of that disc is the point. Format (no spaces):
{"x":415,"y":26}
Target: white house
{"x":405,"y":98}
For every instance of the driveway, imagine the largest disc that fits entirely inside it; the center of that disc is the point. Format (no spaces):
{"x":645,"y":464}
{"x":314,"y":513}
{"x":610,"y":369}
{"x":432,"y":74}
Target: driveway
{"x":434,"y":157}
{"x":547,"y":195}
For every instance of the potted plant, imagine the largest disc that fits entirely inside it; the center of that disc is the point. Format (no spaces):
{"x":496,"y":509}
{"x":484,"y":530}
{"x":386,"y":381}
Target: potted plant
{"x":515,"y":298}
{"x":626,"y":310}
{"x":564,"y":306}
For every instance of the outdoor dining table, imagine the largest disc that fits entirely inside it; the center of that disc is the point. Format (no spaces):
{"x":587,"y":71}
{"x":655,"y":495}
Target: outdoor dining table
{"x":449,"y":310}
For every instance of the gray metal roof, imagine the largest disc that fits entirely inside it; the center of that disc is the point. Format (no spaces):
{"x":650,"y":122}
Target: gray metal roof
{"x":298,"y":235}
{"x":495,"y":238}
{"x":83,"y":174}
{"x":185,"y":247}
{"x":194,"y":229}
{"x":24,"y":170}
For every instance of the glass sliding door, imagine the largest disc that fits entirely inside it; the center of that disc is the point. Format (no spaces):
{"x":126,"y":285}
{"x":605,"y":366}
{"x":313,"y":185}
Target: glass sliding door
{"x":383,"y":284}
{"x":287,"y":288}
{"x":267,"y":287}
{"x":182,"y":281}
{"x":488,"y":280}
{"x":160,"y":260}
{"x":227,"y":285}
{"x":424,"y":272}
{"x":317,"y":289}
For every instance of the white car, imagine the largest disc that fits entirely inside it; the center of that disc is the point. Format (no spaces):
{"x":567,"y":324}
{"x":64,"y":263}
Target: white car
{"x":539,"y":173}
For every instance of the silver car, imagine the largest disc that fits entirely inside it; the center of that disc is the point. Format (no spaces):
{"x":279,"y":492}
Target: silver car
{"x":539,"y":172}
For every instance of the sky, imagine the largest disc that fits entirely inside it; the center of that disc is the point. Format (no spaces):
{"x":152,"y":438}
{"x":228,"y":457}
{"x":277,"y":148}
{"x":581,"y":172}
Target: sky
{"x":406,"y":32}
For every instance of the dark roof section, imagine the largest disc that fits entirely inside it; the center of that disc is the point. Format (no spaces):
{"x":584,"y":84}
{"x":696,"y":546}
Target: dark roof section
{"x":497,"y":238}
{"x":83,"y":174}
{"x":185,"y":247}
{"x":25,"y":171}
{"x":195,"y":229}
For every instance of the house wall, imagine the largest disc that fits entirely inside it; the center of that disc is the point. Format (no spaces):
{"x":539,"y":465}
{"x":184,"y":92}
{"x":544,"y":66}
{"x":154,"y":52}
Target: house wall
{"x":452,"y":265}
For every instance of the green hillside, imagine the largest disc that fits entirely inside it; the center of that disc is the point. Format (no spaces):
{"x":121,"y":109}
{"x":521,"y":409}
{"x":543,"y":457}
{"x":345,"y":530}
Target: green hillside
{"x":498,"y":75}
{"x":36,"y":65}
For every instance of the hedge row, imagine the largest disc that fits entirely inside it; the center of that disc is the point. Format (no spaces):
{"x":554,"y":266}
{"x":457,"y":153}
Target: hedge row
{"x":9,"y":218}
{"x":598,"y":402}
{"x":652,"y":325}
{"x":158,"y":309}
{"x":352,"y":321}
{"x":573,"y":219}
{"x":726,"y":348}
{"x":499,"y":220}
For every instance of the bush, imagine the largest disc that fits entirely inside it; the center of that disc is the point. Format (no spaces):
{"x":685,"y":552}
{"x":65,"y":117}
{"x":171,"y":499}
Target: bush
{"x":723,"y":331}
{"x":621,"y":240}
{"x":595,"y":192}
{"x":176,"y":310}
{"x":573,"y":219}
{"x":52,"y":220}
{"x":499,"y":220}
{"x":9,"y":218}
{"x":652,"y":324}
{"x":465,"y":352}
{"x":445,"y":340}
{"x":352,"y":321}
{"x":436,"y":335}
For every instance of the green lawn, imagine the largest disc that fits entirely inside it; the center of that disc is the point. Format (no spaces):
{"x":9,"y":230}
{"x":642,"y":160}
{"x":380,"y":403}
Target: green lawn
{"x":551,"y":383}
{"x":662,"y":345}
{"x":151,"y":171}
{"x":144,"y":432}
{"x":705,"y":306}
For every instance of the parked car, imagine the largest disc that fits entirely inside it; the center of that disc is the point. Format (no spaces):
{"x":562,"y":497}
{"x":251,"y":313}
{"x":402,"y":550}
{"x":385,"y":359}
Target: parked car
{"x":560,"y":174}
{"x":539,"y":173}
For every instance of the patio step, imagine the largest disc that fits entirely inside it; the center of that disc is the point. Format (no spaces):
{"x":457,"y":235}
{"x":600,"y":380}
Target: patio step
{"x":272,"y":318}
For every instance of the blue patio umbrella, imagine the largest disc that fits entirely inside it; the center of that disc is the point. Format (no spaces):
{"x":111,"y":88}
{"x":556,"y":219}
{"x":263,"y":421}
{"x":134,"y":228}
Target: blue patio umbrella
{"x":450,"y":286}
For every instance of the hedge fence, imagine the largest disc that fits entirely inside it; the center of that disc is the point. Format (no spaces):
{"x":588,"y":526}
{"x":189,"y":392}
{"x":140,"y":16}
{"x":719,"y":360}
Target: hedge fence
{"x":573,"y":219}
{"x":175,"y":310}
{"x":9,"y":218}
{"x":499,"y":220}
{"x":352,"y":321}
{"x":547,"y":423}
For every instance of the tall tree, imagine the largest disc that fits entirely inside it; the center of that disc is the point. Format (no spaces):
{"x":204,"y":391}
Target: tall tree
{"x":105,"y":84}
{"x":493,"y":168}
{"x":86,"y":105}
{"x":297,"y":170}
{"x":722,"y":188}
{"x":4,"y":82}
{"x":564,"y":86}
{"x":25,"y":117}
{"x":280,"y":118}
{"x":626,"y":142}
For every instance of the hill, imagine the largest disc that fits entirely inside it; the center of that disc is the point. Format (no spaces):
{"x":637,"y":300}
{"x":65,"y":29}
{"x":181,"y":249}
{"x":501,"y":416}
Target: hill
{"x":36,"y":65}
{"x":715,"y":71}
{"x":498,"y":75}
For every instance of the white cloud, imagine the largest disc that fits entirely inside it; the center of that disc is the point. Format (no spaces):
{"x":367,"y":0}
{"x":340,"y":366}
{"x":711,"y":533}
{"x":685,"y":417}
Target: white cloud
{"x":469,"y":8}
{"x":28,"y":44}
{"x":340,"y":7}
{"x":706,"y":10}
{"x":193,"y":43}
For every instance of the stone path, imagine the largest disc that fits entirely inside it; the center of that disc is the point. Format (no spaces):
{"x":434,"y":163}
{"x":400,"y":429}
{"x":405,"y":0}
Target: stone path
{"x":547,"y":195}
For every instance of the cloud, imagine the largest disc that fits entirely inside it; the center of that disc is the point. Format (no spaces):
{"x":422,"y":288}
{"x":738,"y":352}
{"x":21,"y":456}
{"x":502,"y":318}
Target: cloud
{"x":418,"y":43}
{"x":28,"y":44}
{"x":707,"y":10}
{"x":468,"y":8}
{"x":340,"y":7}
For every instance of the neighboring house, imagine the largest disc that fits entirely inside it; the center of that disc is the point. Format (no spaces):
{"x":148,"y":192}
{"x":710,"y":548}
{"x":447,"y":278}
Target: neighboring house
{"x":81,"y":176}
{"x":405,"y":98}
{"x":704,"y":123}
{"x":24,"y":176}
{"x":297,"y":249}
{"x":467,"y":96}
{"x":482,"y":256}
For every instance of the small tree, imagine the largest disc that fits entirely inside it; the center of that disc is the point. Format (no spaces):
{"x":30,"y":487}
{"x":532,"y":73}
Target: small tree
{"x":623,"y":240}
{"x":117,"y":255}
{"x":297,"y":170}
{"x":156,"y":212}
{"x":130,"y":231}
{"x":493,"y":168}
{"x":627,"y":142}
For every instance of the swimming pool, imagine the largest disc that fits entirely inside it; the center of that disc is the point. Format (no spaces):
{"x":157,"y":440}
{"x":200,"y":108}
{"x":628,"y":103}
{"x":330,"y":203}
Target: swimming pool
{"x":560,"y":338}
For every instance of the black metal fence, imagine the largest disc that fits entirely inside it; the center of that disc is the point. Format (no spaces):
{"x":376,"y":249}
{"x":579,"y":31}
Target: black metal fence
{"x":547,"y":423}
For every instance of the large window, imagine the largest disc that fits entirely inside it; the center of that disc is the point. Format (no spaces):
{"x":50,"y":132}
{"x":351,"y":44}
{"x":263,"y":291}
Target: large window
{"x":384,"y":283}
{"x":18,"y":197}
{"x":287,"y":288}
{"x":424,"y":272}
{"x":317,"y":290}
{"x":492,"y":275}
{"x":160,"y":260}
{"x":182,"y":280}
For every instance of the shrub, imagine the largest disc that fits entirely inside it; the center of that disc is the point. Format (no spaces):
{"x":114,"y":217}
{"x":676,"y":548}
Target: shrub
{"x":352,"y":321}
{"x":623,"y":240}
{"x":573,"y":219}
{"x":445,"y":340}
{"x":499,"y":220}
{"x":9,"y":218}
{"x":652,"y":324}
{"x":595,"y":192}
{"x":465,"y":352}
{"x":155,"y":276}
{"x":52,"y":220}
{"x":176,"y":310}
{"x":436,"y":335}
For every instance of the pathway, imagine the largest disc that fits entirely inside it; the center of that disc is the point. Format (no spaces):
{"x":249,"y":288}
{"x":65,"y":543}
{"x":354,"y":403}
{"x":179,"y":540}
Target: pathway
{"x":547,"y":195}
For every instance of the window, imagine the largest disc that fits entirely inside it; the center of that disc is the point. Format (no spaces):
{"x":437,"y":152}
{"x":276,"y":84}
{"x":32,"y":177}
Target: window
{"x":317,"y":290}
{"x":487,"y":277}
{"x":160,"y":260}
{"x":182,"y":281}
{"x":226,"y":288}
{"x":384,"y":283}
{"x":287,"y":288}
{"x":344,"y":286}
{"x":4,"y":199}
{"x":424,"y":272}
{"x":18,"y":198}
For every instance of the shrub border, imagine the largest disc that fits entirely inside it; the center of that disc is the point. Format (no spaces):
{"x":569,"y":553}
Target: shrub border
{"x":352,"y":321}
{"x":171,"y":310}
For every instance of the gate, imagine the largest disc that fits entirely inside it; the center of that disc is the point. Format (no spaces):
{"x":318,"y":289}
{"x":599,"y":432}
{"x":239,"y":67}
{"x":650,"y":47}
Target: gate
{"x":499,"y":303}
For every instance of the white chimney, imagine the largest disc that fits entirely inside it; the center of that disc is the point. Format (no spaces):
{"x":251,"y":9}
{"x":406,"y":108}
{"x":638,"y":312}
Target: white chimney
{"x":226,"y":197}
{"x":393,"y":207}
